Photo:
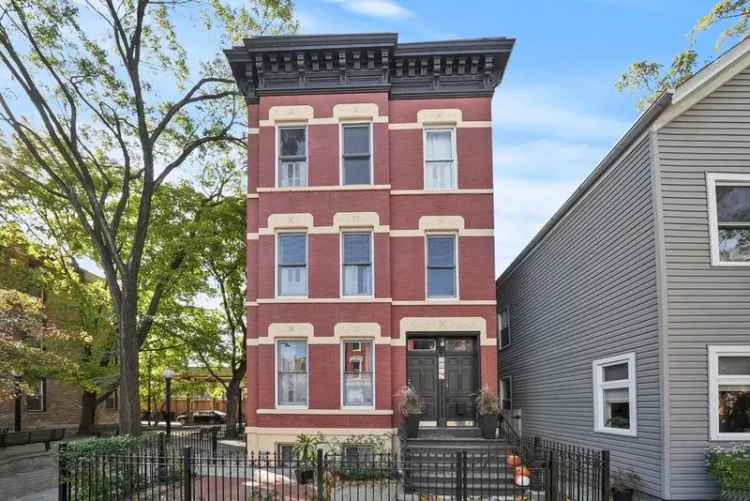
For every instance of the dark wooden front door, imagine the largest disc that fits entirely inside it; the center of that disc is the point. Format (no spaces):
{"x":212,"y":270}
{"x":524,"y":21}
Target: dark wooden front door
{"x":444,"y":371}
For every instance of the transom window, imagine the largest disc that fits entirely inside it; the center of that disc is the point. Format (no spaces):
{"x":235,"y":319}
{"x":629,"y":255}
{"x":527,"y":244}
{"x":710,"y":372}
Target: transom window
{"x":440,"y":159}
{"x":503,"y":325}
{"x":292,"y":264}
{"x":37,"y":401}
{"x":441,"y":266}
{"x":729,"y":392}
{"x":729,"y":215}
{"x":291,"y":369}
{"x":358,"y":374}
{"x":356,"y":263}
{"x":292,"y":162}
{"x":615,"y":395}
{"x":356,"y":154}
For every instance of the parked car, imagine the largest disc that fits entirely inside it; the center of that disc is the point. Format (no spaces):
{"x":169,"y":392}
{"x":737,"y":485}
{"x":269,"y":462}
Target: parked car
{"x":204,"y":417}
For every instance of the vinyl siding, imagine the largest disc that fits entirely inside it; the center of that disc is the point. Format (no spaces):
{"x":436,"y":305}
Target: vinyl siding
{"x":587,"y":292}
{"x":706,"y":305}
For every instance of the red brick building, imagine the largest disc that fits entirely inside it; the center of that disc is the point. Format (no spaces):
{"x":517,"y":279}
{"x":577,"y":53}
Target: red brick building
{"x":370,"y":244}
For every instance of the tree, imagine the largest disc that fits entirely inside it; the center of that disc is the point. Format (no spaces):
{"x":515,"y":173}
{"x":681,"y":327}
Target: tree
{"x":112,"y":112}
{"x":649,"y":79}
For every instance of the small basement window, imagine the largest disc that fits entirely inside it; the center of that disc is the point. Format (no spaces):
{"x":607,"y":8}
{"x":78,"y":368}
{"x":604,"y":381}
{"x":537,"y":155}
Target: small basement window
{"x":358,"y":455}
{"x":615,"y":395}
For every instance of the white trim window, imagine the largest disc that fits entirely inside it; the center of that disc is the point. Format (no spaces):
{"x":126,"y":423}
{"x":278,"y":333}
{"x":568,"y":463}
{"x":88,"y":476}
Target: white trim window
{"x":615,"y":403}
{"x":441,"y":264}
{"x":291,"y":373}
{"x":356,"y":263}
{"x":440,"y":171}
{"x":729,"y":218}
{"x":506,"y":392}
{"x":291,"y":276}
{"x":729,"y":392}
{"x":37,"y":401}
{"x":292,"y":156}
{"x":356,"y":153}
{"x":358,"y":374}
{"x":503,"y":327}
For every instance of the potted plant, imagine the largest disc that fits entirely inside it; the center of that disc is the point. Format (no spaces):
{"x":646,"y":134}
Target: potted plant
{"x":623,"y":484}
{"x":411,"y":407}
{"x":488,"y":408}
{"x":306,"y":449}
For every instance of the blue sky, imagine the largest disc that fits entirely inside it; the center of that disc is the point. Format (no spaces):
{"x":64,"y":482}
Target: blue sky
{"x":556,"y":112}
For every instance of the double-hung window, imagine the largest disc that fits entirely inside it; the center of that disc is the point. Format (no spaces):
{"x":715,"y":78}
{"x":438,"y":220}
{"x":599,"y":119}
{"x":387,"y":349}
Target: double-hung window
{"x":729,"y":392}
{"x":358,"y":374}
{"x":292,"y":161}
{"x":614,"y":395}
{"x":729,"y":217}
{"x":440,"y":159}
{"x":356,"y":154}
{"x":291,"y":369}
{"x":356,"y":263}
{"x":292,"y":264}
{"x":506,"y":392}
{"x":37,"y":401}
{"x":503,"y":325}
{"x":441,"y":266}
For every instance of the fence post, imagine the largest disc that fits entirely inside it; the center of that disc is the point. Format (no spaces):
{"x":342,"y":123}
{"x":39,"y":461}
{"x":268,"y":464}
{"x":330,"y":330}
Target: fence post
{"x":187,"y":473}
{"x":162,"y":457}
{"x":214,"y":440}
{"x":63,"y":490}
{"x":552,"y":473}
{"x":459,"y":475}
{"x":319,"y":475}
{"x":605,"y":475}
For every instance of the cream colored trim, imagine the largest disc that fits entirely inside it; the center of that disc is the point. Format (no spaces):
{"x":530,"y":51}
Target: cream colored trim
{"x":252,"y":236}
{"x":446,"y":302}
{"x":451,"y":116}
{"x":291,"y":330}
{"x":444,"y":324}
{"x":266,"y":439}
{"x":461,"y":125}
{"x":703,"y":83}
{"x":252,"y":195}
{"x":479,"y":232}
{"x":358,"y":187}
{"x":294,"y":300}
{"x":253,"y":130}
{"x":329,"y":412}
{"x":342,"y":330}
{"x":356,"y":219}
{"x":330,"y":431}
{"x":357,"y":329}
{"x":360,"y":111}
{"x":294,"y":113}
{"x":332,"y":230}
{"x":251,"y":303}
{"x":443,"y":192}
{"x":441,"y":223}
{"x":291,"y":220}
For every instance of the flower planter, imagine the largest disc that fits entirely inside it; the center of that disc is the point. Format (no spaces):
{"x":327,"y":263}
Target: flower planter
{"x":488,"y":426}
{"x":412,"y":426}
{"x":305,"y":474}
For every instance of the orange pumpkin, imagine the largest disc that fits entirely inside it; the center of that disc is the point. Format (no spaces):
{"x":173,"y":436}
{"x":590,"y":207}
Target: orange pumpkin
{"x":522,"y":481}
{"x":523,"y":471}
{"x":513,"y":460}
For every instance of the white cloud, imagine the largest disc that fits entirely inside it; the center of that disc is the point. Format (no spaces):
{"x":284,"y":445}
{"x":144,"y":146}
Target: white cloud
{"x":522,"y":207}
{"x":539,"y":109}
{"x":375,"y":8}
{"x":546,"y":158}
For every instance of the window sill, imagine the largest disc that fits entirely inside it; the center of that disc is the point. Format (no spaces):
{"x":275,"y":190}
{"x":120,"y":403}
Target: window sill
{"x":730,"y":437}
{"x":617,"y":431}
{"x":730,"y":264}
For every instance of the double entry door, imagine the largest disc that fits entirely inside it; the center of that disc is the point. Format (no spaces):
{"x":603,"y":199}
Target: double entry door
{"x":444,"y":371}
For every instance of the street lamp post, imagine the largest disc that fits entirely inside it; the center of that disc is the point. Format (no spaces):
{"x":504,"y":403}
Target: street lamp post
{"x":168,"y":374}
{"x":18,"y":401}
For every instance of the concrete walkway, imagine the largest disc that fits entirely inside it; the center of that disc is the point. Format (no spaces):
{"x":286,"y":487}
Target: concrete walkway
{"x":27,"y":473}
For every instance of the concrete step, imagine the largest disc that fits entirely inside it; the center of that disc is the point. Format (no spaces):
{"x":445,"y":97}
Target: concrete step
{"x":433,"y":432}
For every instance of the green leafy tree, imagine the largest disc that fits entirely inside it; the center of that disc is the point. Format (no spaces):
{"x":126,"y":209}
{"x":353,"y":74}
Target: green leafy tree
{"x":108,"y":114}
{"x":648,"y":79}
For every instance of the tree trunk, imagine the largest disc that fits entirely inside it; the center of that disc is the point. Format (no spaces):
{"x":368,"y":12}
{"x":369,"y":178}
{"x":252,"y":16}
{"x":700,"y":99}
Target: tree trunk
{"x":130,"y":405}
{"x":233,"y":403}
{"x":87,"y":420}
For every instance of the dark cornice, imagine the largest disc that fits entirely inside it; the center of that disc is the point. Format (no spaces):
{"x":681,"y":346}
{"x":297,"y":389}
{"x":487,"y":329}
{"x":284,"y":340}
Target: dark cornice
{"x":308,"y":64}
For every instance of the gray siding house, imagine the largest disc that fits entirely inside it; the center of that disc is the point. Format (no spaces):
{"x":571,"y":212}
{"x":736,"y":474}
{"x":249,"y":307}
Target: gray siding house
{"x":625,"y":322}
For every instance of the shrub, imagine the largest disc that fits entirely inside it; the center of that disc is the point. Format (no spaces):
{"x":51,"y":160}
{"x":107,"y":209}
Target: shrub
{"x":730,"y":466}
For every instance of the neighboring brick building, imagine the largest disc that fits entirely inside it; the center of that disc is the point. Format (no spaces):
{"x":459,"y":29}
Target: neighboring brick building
{"x":370,"y":244}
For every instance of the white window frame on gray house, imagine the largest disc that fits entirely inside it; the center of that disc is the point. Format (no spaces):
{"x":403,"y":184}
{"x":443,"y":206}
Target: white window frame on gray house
{"x":433,"y":164}
{"x":719,"y":379}
{"x":291,"y":170}
{"x":601,"y":387}
{"x":506,"y":395}
{"x":503,"y":317}
{"x":715,"y":181}
{"x":282,"y":403}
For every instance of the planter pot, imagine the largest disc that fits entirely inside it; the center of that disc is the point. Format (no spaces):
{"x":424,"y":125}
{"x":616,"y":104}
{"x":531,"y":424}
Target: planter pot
{"x":412,"y":426}
{"x":488,"y":426}
{"x":305,"y":475}
{"x":622,"y":495}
